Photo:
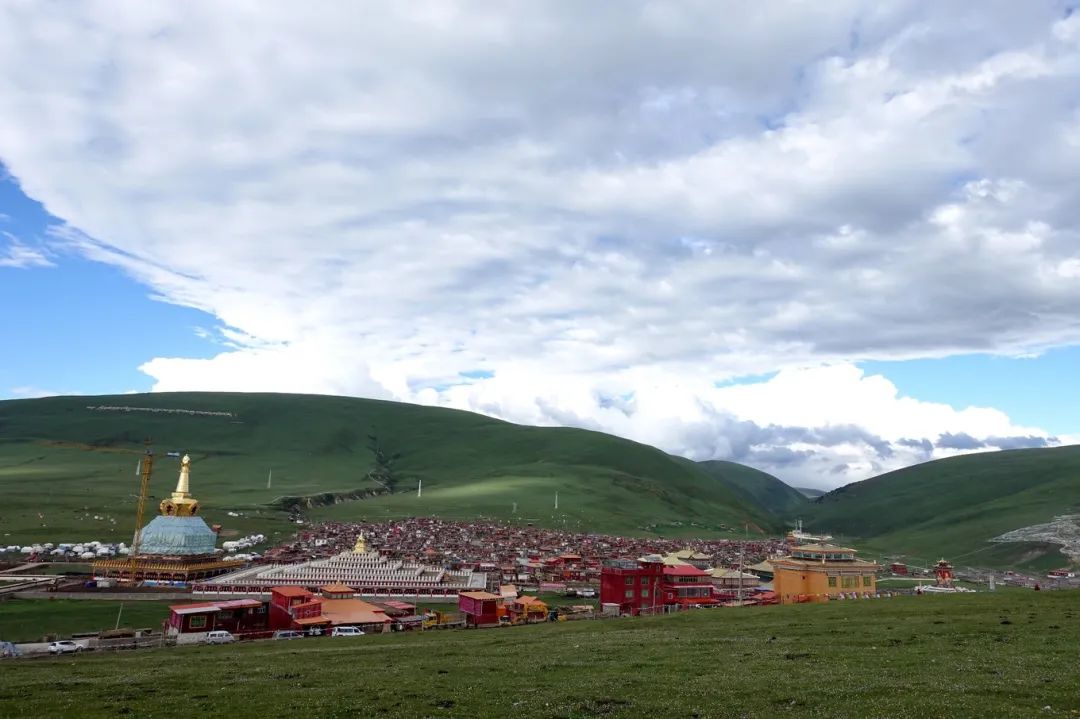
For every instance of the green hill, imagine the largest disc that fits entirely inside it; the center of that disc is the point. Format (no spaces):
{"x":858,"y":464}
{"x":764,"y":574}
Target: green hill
{"x":759,"y":488}
{"x":62,"y":464}
{"x":951,"y":507}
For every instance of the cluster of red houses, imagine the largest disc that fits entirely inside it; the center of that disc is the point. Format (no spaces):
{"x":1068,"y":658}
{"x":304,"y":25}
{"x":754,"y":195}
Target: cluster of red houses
{"x":289,"y":607}
{"x":522,"y":555}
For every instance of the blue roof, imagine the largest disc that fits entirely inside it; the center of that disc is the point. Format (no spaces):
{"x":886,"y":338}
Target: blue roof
{"x":177,"y":535}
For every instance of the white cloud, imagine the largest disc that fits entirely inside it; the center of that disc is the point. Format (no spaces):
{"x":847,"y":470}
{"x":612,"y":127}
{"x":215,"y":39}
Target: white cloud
{"x":27,"y":392}
{"x":591,"y":201}
{"x":819,"y":426}
{"x":17,"y":255}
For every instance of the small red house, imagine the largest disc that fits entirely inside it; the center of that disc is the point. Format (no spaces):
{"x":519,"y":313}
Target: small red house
{"x":296,"y":608}
{"x":480,"y":609}
{"x":563,"y":568}
{"x":189,"y":623}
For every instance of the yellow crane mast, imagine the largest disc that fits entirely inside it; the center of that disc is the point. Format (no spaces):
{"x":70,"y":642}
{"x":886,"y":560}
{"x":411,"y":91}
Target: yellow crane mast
{"x":147,"y":467}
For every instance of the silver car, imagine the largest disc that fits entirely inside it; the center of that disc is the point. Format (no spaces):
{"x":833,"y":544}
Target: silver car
{"x":65,"y":646}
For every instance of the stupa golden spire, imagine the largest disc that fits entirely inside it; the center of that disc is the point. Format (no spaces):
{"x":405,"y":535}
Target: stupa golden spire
{"x":181,"y":503}
{"x":361,"y":545}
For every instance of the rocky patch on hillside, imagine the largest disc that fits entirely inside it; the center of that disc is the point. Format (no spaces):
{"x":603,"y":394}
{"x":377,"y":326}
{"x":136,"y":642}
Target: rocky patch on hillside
{"x":1063,"y":530}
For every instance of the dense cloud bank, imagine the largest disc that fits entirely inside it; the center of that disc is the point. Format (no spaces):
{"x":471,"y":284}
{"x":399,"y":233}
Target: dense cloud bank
{"x":584,"y":214}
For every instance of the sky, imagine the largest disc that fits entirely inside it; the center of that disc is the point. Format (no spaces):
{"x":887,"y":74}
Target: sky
{"x":827,"y":240}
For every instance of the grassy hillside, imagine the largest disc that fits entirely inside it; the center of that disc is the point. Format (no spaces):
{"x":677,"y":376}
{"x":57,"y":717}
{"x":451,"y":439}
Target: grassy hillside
{"x":759,"y":488}
{"x":951,"y":507}
{"x":62,"y":464}
{"x":982,"y":655}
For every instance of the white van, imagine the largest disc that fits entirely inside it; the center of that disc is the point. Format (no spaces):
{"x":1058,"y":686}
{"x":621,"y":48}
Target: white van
{"x":346,"y":632}
{"x":219,"y":636}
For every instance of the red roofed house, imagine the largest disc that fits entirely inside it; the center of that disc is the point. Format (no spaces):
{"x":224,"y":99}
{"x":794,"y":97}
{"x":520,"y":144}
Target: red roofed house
{"x":685,"y":586}
{"x":297,"y":608}
{"x":564,"y":568}
{"x":480,"y":609}
{"x":189,"y":623}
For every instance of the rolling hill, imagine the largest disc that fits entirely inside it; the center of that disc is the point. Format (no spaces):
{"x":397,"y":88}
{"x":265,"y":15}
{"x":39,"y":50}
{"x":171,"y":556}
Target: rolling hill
{"x":67,"y":467}
{"x":952,"y":507}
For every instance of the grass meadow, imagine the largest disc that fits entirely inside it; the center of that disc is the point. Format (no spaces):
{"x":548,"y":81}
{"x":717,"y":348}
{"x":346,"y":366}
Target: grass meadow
{"x":1013,"y":654}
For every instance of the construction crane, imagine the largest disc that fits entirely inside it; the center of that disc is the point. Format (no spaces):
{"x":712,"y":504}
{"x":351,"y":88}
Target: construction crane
{"x":147,"y":467}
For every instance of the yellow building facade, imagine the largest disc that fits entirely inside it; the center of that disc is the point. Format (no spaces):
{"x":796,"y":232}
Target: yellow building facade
{"x":818,"y":572}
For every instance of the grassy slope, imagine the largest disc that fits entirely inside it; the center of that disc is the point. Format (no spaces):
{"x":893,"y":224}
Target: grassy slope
{"x":952,"y":506}
{"x":1004,"y":655}
{"x":759,"y":488}
{"x":69,"y":463}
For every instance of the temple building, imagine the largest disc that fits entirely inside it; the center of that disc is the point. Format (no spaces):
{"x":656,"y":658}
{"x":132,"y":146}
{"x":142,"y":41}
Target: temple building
{"x":175,"y":546}
{"x":819,"y":572}
{"x":367,"y":573}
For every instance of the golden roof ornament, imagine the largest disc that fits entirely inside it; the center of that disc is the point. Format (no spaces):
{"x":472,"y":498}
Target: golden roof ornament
{"x":361,"y":545}
{"x":181,"y":503}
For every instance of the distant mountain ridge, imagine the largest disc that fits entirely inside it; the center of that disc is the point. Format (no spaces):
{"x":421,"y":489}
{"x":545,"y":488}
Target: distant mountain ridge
{"x":810,"y":492}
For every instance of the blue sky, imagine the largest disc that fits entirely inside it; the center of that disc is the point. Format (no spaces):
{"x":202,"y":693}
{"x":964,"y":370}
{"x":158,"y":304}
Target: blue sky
{"x":1041,"y":391}
{"x":79,"y":326}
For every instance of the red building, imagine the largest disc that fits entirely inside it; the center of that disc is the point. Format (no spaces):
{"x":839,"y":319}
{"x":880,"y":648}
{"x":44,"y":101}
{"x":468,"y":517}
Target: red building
{"x":686,"y":586}
{"x":189,"y":623}
{"x":632,"y":585}
{"x":297,"y":608}
{"x":899,"y":569}
{"x":944,"y":573}
{"x":480,"y":609}
{"x":564,"y":568}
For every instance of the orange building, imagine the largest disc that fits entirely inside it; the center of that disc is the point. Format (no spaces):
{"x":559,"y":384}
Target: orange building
{"x":527,"y":609}
{"x":818,"y":572}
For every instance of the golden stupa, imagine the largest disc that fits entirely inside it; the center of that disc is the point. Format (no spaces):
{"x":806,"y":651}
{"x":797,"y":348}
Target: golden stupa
{"x":176,"y":546}
{"x":181,"y":503}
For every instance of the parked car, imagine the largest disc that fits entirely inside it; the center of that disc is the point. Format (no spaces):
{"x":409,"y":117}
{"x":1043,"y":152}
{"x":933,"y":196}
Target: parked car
{"x":288,"y":634}
{"x":65,"y":647}
{"x":346,"y":632}
{"x":219,"y":636}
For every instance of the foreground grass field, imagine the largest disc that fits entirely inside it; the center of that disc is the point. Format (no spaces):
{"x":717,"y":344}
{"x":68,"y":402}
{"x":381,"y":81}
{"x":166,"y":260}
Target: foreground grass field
{"x":985,"y":655}
{"x":28,"y":620}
